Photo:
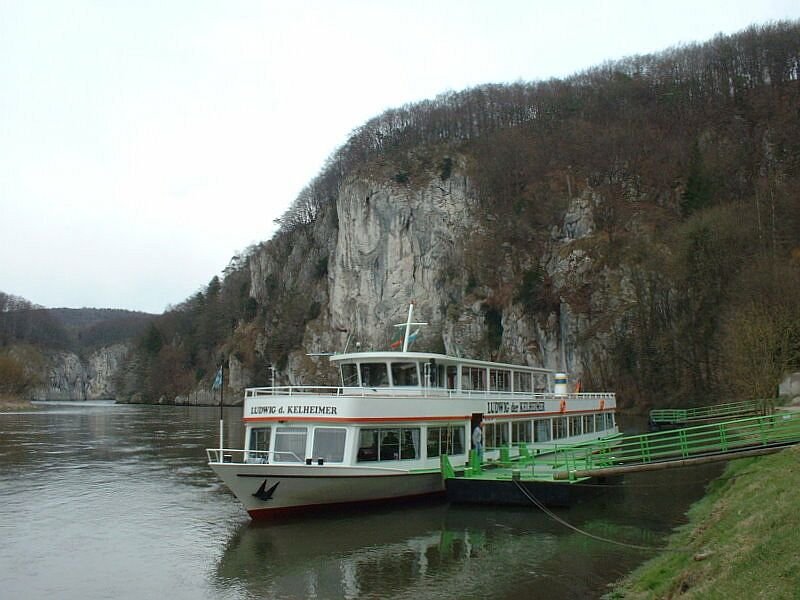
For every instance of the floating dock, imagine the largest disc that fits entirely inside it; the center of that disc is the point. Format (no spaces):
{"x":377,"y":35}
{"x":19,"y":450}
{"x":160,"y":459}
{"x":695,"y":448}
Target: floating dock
{"x":522,"y":480}
{"x":570,"y":473}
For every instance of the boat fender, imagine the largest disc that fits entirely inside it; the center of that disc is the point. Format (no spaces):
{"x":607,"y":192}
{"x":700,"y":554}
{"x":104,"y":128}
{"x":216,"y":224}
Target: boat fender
{"x":563,"y":406}
{"x":602,"y":404}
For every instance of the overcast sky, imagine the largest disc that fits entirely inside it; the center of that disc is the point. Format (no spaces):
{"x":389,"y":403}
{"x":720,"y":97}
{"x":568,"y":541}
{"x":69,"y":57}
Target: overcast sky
{"x":143,"y":144}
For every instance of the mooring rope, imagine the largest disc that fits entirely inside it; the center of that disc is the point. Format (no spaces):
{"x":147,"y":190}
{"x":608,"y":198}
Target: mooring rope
{"x":558,"y":519}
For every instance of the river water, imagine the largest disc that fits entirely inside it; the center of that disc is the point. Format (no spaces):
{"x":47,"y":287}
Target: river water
{"x":99,"y":500}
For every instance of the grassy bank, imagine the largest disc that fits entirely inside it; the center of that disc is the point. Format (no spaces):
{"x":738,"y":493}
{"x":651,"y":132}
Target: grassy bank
{"x":742,"y":539}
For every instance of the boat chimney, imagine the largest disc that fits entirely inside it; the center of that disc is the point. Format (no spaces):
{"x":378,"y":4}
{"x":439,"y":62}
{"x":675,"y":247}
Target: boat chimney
{"x":560,"y":387}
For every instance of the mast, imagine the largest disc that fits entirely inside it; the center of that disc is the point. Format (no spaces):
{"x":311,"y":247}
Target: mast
{"x":408,"y":325}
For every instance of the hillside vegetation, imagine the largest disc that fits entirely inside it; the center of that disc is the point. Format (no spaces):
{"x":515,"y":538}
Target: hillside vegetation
{"x":690,"y":159}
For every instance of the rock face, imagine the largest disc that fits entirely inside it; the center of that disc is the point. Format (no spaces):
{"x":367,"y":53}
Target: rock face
{"x":391,"y":244}
{"x":71,"y":378}
{"x":396,"y":245}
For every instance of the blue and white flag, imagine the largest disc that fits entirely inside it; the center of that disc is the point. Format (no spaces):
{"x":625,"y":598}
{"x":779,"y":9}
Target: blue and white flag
{"x":217,"y":380}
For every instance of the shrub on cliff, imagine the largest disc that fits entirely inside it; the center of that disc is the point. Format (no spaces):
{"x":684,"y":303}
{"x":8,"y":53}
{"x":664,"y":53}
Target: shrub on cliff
{"x":16,"y":377}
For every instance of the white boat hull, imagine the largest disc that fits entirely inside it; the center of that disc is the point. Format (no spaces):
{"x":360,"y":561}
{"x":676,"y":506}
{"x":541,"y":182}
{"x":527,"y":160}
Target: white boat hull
{"x":268,"y":490}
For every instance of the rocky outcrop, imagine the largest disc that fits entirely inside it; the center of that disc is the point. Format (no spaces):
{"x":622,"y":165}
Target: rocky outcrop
{"x":70,"y":377}
{"x":396,"y":245}
{"x":391,"y":244}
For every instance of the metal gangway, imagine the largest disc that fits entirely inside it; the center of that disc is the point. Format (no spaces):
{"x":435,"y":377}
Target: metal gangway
{"x":670,"y":417}
{"x":672,"y":448}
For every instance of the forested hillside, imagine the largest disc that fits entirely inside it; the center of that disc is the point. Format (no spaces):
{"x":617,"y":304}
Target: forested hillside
{"x":686,"y":164}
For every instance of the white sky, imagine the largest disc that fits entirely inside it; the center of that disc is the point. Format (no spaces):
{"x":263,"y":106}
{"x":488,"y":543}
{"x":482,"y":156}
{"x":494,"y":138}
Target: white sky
{"x":144,"y":143}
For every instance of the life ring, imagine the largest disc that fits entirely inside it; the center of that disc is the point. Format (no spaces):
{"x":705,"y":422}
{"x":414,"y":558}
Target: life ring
{"x":563,"y":405}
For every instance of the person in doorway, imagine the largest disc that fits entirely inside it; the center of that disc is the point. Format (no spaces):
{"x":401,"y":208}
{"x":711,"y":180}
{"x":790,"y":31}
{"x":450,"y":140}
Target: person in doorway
{"x":477,"y":440}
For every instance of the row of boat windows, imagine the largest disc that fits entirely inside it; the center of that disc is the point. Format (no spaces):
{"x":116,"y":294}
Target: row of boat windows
{"x":404,"y":443}
{"x":374,"y":445}
{"x":451,"y":377}
{"x":499,"y":434}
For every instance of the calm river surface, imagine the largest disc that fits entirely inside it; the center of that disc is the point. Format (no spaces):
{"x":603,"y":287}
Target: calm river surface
{"x":99,"y":500}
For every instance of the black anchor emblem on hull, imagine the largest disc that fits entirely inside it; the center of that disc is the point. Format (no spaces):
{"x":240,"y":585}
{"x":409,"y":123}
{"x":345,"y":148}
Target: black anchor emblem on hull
{"x":264,"y":494}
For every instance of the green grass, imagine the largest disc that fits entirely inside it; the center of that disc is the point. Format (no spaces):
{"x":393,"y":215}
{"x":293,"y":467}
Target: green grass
{"x":742,"y":539}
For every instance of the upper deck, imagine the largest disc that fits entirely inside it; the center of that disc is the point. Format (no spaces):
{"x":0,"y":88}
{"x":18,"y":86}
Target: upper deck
{"x":407,"y":385}
{"x":438,"y":371}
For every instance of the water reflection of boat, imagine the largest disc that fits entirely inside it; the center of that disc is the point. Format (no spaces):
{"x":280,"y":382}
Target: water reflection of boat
{"x":429,"y":551}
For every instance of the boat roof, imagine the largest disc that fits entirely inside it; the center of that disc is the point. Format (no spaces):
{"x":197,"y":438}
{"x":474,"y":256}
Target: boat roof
{"x":384,"y":356}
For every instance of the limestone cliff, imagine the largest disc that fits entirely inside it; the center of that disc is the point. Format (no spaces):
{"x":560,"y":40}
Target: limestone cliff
{"x":390,"y":244}
{"x":70,"y":377}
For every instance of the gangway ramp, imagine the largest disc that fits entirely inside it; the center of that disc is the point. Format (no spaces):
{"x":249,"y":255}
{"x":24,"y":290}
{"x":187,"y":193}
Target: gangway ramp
{"x":678,"y":447}
{"x":662,"y":418}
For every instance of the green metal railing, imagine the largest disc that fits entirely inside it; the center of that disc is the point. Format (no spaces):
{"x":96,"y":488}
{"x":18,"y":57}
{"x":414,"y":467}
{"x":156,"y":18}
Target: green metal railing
{"x":689,"y":442}
{"x":700,"y":413}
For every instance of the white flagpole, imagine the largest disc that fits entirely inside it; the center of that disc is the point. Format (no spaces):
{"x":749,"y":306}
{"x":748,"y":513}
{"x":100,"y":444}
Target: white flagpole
{"x":408,"y":327}
{"x":221,"y":428}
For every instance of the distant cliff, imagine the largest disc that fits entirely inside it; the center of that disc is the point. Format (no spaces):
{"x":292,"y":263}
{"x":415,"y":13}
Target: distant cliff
{"x":63,"y":353}
{"x":70,"y":377}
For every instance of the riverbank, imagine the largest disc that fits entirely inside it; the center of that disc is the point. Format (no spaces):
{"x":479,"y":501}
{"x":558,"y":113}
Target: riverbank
{"x":741,"y":538}
{"x":14,"y":403}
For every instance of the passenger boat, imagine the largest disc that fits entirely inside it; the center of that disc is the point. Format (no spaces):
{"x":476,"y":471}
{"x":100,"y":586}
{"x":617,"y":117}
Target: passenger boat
{"x":380,"y":434}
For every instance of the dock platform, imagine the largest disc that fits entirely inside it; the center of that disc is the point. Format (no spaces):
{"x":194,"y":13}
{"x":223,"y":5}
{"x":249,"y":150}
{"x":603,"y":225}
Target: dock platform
{"x":555,"y":478}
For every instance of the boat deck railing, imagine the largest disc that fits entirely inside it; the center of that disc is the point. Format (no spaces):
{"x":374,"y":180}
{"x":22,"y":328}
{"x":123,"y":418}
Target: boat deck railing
{"x":227,"y":455}
{"x":417,"y":391}
{"x":728,"y":410}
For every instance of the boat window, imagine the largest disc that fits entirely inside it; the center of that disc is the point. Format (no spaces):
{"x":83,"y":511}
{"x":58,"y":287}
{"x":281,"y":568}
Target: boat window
{"x":259,"y":444}
{"x":349,"y":374}
{"x":473,"y":378}
{"x":542,"y":430}
{"x":329,"y":443}
{"x":290,"y":444}
{"x":599,"y":422}
{"x":588,"y":423}
{"x":389,"y":440}
{"x":609,"y":420}
{"x":259,"y":438}
{"x":574,"y":426}
{"x":433,"y":374}
{"x":522,"y":382}
{"x":388,"y":444}
{"x":409,"y":443}
{"x":404,"y":374}
{"x":452,"y":377}
{"x":367,"y":445}
{"x":445,"y":440}
{"x":499,"y":380}
{"x":521,"y":431}
{"x":374,"y":375}
{"x":559,"y":428}
{"x":495,"y":434}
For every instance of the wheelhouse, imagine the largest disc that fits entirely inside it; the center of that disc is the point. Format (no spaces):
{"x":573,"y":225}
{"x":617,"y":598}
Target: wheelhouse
{"x":436,"y":371}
